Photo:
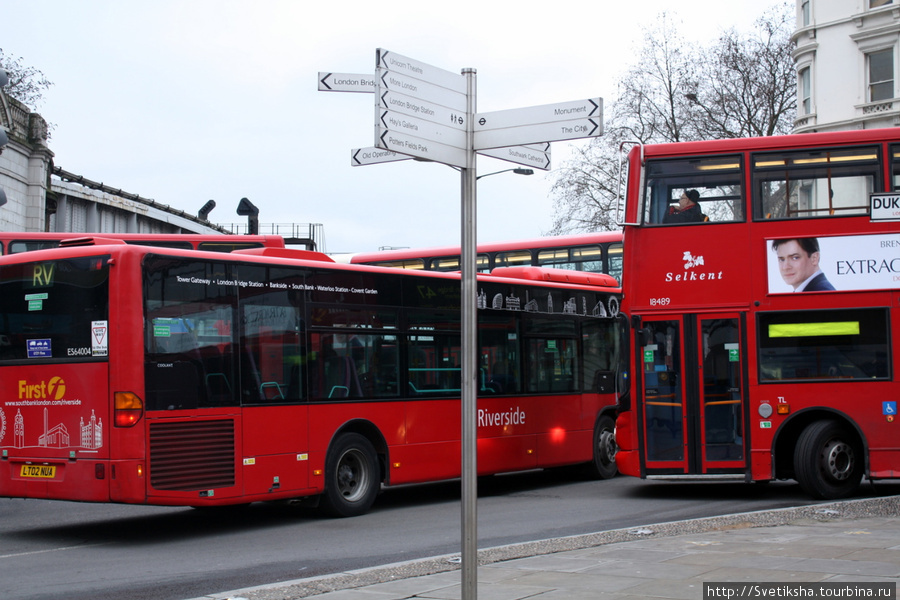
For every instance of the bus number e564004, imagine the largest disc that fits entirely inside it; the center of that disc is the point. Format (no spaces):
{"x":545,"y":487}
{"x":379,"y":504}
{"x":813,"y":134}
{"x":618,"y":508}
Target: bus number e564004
{"x":660,"y":301}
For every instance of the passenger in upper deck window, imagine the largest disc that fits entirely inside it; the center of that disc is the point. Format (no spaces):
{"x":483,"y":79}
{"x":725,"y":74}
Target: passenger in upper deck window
{"x":687,"y":210}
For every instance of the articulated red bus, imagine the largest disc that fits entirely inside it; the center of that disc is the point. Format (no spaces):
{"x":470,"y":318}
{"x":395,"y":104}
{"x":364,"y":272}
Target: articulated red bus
{"x":591,"y":252}
{"x":15,"y":242}
{"x":158,"y":376}
{"x":734,"y":373}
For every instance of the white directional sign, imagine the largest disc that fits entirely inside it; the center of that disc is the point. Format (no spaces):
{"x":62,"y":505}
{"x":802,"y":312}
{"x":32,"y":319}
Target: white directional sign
{"x":429,"y":111}
{"x":360,"y":157}
{"x":346,"y":82}
{"x":423,"y":90}
{"x":420,"y":148}
{"x":546,"y":113}
{"x":534,"y":155}
{"x":421,"y":128}
{"x":403,"y":65}
{"x":546,"y":123}
{"x":420,"y":110}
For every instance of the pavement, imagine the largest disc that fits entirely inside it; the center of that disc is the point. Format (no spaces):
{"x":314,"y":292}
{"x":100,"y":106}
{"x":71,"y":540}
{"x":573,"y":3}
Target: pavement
{"x":829,"y":550}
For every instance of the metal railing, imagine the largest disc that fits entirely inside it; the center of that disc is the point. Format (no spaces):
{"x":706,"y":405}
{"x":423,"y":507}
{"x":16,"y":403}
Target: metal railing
{"x":310,"y":235}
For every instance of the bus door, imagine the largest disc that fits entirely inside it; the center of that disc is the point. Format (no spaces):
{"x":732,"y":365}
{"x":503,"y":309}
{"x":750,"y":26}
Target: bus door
{"x":692,"y":394}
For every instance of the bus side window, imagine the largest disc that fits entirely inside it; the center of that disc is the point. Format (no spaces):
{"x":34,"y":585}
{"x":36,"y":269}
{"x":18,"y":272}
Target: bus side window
{"x":551,"y":356}
{"x":600,"y":356}
{"x":499,"y":356}
{"x":717,"y":179}
{"x":816,"y":183}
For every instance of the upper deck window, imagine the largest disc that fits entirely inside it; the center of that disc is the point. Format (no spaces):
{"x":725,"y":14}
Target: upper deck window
{"x":815,"y":183}
{"x":715,"y":179}
{"x":895,"y":166}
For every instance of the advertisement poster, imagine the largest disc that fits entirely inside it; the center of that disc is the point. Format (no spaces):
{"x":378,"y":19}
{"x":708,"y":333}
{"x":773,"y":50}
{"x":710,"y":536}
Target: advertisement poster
{"x":841,"y":263}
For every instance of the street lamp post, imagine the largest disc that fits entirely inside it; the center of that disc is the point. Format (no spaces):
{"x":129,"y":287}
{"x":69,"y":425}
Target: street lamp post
{"x":516,"y":171}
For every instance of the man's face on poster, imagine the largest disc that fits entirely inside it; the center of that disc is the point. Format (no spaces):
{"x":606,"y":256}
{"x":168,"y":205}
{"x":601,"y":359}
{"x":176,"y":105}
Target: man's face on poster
{"x":795,"y":265}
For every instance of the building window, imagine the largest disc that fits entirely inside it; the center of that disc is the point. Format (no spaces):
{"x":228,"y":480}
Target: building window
{"x":877,"y":3}
{"x":881,"y":75}
{"x":805,"y":91}
{"x":804,"y":12}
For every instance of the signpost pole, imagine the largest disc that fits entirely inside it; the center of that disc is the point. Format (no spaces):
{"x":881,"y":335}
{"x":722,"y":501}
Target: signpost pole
{"x":469,"y":308}
{"x":420,"y":112}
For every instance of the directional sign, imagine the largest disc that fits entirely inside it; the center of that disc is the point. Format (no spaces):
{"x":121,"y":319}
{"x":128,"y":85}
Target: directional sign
{"x":420,"y":109}
{"x":546,"y":113}
{"x":419,"y":147}
{"x":535,"y":155}
{"x":346,"y":82}
{"x":414,"y":107}
{"x":421,"y":128}
{"x":547,"y":123}
{"x":417,"y":88}
{"x":360,"y":157}
{"x":542,"y":132}
{"x":403,"y":65}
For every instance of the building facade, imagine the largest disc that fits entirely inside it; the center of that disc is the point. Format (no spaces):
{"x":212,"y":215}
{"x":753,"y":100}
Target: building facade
{"x":847,"y":54}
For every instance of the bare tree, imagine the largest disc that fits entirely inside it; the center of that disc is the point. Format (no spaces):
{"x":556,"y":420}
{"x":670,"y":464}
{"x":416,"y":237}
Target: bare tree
{"x":748,"y":87}
{"x":26,"y":84}
{"x":651,"y":103}
{"x":585,"y":188}
{"x":742,"y":85}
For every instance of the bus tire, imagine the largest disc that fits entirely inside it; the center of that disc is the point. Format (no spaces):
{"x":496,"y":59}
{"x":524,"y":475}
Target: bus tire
{"x":827,"y":463}
{"x":351,"y":476}
{"x":605,"y":448}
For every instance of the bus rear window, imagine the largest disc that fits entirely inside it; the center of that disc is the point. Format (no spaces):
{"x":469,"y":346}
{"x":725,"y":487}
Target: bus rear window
{"x":55,"y":310}
{"x":17,"y":246}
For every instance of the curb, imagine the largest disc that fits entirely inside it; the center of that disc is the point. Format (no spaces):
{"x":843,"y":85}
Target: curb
{"x":303,"y":588}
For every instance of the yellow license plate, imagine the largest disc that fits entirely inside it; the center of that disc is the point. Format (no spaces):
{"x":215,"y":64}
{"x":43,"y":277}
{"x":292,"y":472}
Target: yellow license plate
{"x":39,"y":471}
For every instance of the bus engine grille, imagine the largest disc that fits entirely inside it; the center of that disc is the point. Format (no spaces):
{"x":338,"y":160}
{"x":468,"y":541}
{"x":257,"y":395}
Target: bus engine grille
{"x":192,"y":455}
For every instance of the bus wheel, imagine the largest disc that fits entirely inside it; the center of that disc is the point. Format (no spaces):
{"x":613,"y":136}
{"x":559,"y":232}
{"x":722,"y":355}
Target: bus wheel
{"x":351,"y":472}
{"x":605,"y":448}
{"x":826,"y":462}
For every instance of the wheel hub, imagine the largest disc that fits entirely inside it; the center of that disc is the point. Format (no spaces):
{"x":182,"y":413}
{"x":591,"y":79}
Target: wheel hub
{"x":839,"y":460}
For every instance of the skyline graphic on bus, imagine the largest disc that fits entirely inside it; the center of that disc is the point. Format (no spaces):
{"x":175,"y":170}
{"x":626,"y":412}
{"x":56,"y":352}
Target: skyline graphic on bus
{"x":90,"y":433}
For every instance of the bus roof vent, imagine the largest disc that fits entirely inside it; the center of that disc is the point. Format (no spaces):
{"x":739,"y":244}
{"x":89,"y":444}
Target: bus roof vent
{"x":286,"y":253}
{"x":557,"y":276}
{"x":89,"y":241}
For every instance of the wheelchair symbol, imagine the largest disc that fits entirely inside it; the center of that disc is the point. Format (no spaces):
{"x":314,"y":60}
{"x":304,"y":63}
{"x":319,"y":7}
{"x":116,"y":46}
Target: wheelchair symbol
{"x":889,"y":408}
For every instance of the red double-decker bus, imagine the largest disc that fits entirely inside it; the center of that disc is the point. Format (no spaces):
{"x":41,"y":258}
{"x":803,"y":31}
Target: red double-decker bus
{"x":591,"y":252}
{"x":761,"y":282}
{"x":13,"y":242}
{"x":156,"y":376}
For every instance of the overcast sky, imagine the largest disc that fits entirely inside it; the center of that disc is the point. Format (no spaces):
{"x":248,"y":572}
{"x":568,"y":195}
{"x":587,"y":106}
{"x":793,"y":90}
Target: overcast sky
{"x":185,"y":101}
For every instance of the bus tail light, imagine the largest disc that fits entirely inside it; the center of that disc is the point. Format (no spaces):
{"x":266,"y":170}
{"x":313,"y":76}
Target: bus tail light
{"x":783,"y":409}
{"x":129,"y":408}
